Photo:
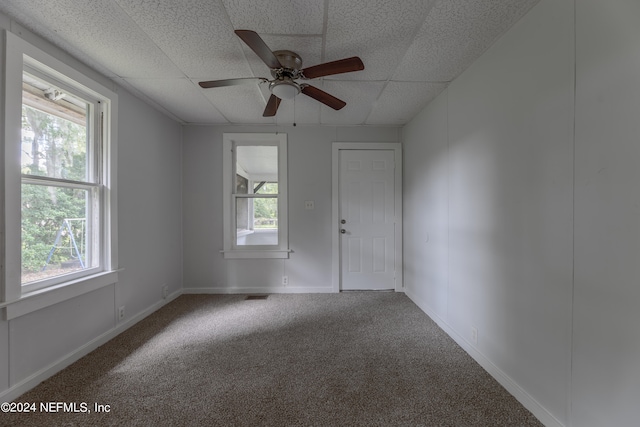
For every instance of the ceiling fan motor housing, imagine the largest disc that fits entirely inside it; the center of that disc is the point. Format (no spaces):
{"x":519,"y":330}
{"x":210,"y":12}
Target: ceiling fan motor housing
{"x":288,"y":59}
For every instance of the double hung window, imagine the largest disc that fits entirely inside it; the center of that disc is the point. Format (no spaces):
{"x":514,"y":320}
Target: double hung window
{"x":59,"y":142}
{"x":255,"y":196}
{"x":61,"y":188}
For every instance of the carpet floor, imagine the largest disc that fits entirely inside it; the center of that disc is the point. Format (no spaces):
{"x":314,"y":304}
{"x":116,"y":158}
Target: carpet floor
{"x":347,"y":359}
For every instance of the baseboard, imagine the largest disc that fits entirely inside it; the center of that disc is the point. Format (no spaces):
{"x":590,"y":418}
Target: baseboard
{"x":250,"y":290}
{"x":507,"y":382}
{"x":30,"y":382}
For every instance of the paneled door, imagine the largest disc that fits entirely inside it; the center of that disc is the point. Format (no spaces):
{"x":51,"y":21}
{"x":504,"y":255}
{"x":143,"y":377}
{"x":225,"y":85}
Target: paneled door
{"x":367,"y":219}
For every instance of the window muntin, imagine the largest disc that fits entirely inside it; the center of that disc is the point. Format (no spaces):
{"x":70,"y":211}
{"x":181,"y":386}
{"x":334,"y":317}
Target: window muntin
{"x":60,"y":184}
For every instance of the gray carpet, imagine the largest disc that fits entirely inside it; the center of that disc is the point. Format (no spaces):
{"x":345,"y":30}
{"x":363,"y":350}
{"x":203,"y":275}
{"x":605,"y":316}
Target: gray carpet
{"x":343,"y":359}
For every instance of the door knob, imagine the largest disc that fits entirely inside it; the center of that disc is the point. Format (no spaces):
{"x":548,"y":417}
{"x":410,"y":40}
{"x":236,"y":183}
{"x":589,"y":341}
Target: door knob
{"x":343,"y":221}
{"x":343,"y":231}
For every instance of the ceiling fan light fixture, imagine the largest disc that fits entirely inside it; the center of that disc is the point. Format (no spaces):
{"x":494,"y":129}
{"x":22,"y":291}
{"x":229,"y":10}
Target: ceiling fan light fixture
{"x":284,"y":89}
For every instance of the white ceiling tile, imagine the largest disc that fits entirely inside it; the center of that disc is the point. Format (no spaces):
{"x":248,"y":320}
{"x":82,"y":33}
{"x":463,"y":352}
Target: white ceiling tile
{"x":455,"y":34}
{"x":239,"y":104}
{"x":378,"y":31}
{"x":196,"y":34}
{"x":359,"y":97}
{"x":181,"y":97}
{"x":100,"y":30}
{"x":305,"y":110}
{"x":399,"y":102}
{"x":33,"y":38}
{"x":277,"y":17}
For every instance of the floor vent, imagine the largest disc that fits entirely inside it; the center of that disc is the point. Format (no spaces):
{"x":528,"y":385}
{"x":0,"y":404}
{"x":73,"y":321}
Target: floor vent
{"x":257,"y":297}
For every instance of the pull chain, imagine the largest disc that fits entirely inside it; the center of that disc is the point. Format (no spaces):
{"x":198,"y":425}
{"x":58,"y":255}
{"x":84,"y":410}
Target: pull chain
{"x":294,"y":111}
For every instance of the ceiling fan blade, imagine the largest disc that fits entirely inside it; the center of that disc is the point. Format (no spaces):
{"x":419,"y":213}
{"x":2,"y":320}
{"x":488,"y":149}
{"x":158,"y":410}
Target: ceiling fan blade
{"x":324,"y":97}
{"x":230,"y":82}
{"x":272,"y":106}
{"x":255,"y":42}
{"x":335,"y":67}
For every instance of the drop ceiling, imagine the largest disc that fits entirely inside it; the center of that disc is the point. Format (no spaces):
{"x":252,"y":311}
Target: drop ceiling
{"x":159,"y":50}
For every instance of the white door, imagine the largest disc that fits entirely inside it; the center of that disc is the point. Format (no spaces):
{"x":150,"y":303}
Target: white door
{"x":367,"y":219}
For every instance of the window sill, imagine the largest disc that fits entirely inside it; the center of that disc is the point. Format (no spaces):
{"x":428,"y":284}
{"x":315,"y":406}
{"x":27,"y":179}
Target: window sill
{"x":37,"y":300}
{"x":257,"y":253}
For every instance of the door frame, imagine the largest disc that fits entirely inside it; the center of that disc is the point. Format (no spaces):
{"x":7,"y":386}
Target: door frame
{"x":335,"y":206}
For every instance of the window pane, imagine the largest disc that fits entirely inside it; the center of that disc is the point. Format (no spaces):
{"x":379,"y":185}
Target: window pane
{"x":56,"y":235}
{"x":256,"y":164}
{"x":264,"y":187}
{"x":54,"y":132}
{"x":242,"y":185}
{"x":257,"y":221}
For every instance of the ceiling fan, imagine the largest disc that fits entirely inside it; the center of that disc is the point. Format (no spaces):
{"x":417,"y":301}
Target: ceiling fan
{"x":286,"y":69}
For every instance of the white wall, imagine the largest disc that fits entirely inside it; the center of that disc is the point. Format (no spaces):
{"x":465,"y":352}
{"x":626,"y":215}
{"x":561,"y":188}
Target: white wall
{"x":606,"y":350}
{"x":36,"y":345}
{"x":309,"y":177}
{"x":149,"y":194}
{"x":530,"y":234}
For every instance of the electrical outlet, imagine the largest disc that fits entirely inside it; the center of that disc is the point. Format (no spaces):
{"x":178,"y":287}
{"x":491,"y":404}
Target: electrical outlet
{"x":121,"y":313}
{"x":309,"y":205}
{"x":165,"y":291}
{"x":285,"y":280}
{"x":474,"y":335}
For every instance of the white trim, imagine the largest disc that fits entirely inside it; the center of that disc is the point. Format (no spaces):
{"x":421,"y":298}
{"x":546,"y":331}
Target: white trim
{"x":30,"y":382}
{"x":110,"y":184}
{"x":59,"y":280}
{"x":509,"y":384}
{"x":12,"y":131}
{"x":256,"y":253}
{"x":335,"y":205}
{"x":233,"y":290}
{"x":39,"y":299}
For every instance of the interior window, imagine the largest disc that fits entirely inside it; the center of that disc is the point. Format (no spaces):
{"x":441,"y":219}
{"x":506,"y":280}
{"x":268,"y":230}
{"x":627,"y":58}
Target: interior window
{"x":257,"y":198}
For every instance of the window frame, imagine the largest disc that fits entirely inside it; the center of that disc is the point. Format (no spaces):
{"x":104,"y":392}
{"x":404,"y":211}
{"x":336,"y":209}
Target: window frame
{"x":92,"y":182}
{"x":230,"y":249}
{"x":18,"y":299}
